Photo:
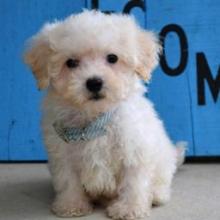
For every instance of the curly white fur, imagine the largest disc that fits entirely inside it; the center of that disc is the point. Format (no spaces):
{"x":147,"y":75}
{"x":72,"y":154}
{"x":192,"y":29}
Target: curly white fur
{"x":134,"y":163}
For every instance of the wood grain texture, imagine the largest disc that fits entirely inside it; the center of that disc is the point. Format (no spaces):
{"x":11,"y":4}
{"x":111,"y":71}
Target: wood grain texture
{"x":20,"y":136}
{"x":171,"y":94}
{"x":176,"y":97}
{"x":121,"y":6}
{"x":203,"y":32}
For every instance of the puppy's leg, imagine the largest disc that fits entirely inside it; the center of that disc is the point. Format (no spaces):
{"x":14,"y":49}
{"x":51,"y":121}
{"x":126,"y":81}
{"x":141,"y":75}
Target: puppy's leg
{"x":134,"y":195}
{"x":70,"y":199}
{"x":162,"y":183}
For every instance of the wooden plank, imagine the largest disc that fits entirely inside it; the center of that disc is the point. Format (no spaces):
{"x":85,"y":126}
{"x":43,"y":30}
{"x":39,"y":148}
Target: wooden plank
{"x":5,"y":79}
{"x":163,"y":90}
{"x":202,"y":27}
{"x":189,"y":108}
{"x":197,"y":87}
{"x":171,"y":88}
{"x":177,"y":117}
{"x":136,"y":8}
{"x":20,"y":134}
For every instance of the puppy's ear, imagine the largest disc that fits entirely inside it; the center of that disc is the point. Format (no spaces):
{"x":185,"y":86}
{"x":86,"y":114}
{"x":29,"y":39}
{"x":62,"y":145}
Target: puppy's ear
{"x":149,"y":51}
{"x":36,"y":56}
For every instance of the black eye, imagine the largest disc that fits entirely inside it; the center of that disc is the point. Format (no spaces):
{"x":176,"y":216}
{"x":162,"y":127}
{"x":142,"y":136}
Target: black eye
{"x":112,"y":58}
{"x":72,"y":63}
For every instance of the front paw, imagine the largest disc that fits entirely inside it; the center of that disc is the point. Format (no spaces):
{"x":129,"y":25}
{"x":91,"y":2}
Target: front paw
{"x":128,"y":210}
{"x":71,"y":208}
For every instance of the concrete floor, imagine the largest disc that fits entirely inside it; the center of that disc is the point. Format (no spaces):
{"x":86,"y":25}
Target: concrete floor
{"x":26,"y":194}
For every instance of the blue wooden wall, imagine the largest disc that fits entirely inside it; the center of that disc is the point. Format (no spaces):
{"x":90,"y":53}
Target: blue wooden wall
{"x":20,"y":136}
{"x":187,"y":98}
{"x":184,"y":89}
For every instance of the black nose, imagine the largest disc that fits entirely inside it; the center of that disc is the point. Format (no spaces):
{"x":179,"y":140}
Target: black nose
{"x":94,"y":84}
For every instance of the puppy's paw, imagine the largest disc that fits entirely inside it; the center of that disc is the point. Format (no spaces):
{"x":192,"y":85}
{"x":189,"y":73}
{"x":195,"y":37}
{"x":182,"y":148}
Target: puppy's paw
{"x":161,"y":196}
{"x":70,"y":209}
{"x":128,"y":210}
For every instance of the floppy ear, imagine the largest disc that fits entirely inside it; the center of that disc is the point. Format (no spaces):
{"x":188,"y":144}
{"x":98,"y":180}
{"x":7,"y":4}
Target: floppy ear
{"x":148,"y":56}
{"x":36,"y":56}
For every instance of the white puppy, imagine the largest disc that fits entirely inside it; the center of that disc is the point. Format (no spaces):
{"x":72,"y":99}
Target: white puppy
{"x":103,"y":137}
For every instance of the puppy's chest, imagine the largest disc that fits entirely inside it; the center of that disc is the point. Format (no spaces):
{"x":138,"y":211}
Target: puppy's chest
{"x":99,"y":166}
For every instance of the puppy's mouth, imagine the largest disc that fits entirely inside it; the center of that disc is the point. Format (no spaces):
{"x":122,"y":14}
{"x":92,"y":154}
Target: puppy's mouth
{"x":96,"y":97}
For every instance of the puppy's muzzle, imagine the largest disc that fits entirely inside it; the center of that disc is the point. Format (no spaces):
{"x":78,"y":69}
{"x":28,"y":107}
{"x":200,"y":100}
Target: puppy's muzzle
{"x":94,"y":84}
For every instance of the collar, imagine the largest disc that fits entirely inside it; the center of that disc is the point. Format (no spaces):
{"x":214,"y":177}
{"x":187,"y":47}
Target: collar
{"x":94,"y":129}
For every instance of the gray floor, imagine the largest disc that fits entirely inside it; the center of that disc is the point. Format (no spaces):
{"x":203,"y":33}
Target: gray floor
{"x":26,"y":193}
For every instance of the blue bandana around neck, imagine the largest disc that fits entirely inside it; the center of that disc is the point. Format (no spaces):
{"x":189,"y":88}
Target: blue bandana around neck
{"x":94,"y":129}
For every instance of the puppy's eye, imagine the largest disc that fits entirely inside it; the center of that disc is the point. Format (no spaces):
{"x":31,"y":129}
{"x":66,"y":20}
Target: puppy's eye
{"x":112,"y":58}
{"x":72,"y":63}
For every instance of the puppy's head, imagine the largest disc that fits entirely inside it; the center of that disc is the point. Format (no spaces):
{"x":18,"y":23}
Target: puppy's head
{"x":93,"y":60}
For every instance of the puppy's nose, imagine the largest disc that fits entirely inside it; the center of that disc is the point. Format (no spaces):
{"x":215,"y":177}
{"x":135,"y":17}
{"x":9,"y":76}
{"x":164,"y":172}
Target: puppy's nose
{"x":94,"y":84}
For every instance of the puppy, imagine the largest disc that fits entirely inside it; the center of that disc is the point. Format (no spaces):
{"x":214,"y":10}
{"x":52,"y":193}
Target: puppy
{"x":103,"y":136}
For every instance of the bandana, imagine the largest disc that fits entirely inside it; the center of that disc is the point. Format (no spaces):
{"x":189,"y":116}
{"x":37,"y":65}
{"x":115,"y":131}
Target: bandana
{"x":94,"y":129}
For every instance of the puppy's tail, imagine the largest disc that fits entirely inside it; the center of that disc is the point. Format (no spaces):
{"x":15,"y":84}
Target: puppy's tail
{"x":181,"y":148}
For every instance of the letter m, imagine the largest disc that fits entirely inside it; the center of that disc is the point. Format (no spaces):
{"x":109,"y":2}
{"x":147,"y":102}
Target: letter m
{"x":204,"y":75}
